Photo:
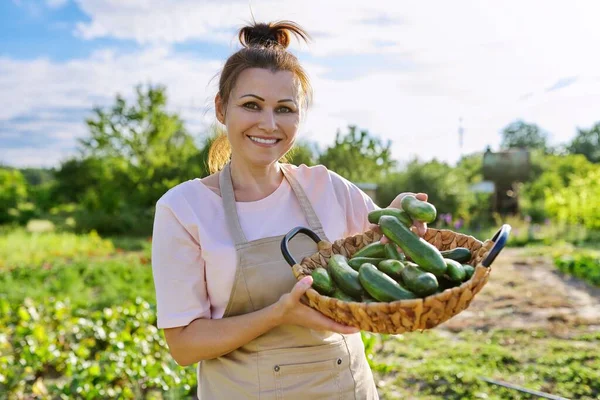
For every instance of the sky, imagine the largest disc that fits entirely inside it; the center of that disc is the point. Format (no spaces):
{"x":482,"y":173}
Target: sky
{"x":411,"y":72}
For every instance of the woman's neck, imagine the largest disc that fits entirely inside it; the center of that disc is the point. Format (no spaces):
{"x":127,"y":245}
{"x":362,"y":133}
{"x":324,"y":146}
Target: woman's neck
{"x":252,"y":183}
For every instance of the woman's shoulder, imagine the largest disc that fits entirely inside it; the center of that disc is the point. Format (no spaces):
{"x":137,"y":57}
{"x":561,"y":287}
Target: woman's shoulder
{"x":312,"y":173}
{"x":320,"y":174}
{"x":192,"y":191}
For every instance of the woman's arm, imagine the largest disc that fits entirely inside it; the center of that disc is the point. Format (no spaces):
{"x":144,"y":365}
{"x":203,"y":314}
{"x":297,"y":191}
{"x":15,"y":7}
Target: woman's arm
{"x":204,"y":339}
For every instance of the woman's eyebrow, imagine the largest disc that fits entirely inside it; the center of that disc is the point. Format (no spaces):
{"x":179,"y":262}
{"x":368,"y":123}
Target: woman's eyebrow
{"x":261,"y":99}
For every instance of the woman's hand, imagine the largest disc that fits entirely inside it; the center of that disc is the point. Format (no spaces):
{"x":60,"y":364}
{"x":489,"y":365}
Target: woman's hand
{"x":292,"y":311}
{"x":419,"y":227}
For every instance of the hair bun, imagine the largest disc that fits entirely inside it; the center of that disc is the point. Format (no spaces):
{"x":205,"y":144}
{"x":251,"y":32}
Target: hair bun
{"x":271,"y":34}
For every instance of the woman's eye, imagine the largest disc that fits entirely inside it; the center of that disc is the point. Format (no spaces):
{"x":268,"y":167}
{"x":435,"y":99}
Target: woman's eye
{"x":286,"y":109}
{"x":251,"y":105}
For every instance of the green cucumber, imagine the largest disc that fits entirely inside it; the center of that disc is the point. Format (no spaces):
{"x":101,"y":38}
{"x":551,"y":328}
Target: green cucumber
{"x":391,"y":251}
{"x":322,"y":282}
{"x":420,"y":251}
{"x":344,"y":276}
{"x":375,"y":249}
{"x":340,"y":295}
{"x":380,"y":286}
{"x":356,"y":262}
{"x":454,"y":270}
{"x":368,"y":299}
{"x":395,"y":212}
{"x":460,"y":254}
{"x":446,"y":283}
{"x":391,"y":268}
{"x":418,"y":210}
{"x":419,"y":282}
{"x":469,"y":271}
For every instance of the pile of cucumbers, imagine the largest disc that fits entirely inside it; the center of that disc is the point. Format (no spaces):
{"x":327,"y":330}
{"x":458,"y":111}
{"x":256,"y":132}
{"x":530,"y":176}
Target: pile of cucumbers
{"x":407,"y":267}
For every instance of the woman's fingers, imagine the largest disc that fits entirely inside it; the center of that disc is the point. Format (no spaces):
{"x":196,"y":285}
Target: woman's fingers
{"x":422,"y":196}
{"x":300,"y":288}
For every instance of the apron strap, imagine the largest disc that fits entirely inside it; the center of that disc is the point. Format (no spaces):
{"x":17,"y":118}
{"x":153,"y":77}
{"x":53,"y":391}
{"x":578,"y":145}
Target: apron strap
{"x":307,"y":208}
{"x":231,"y":214}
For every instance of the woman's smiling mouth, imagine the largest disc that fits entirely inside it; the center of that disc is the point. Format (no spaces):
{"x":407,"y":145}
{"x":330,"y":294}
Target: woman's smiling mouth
{"x":263,"y":141}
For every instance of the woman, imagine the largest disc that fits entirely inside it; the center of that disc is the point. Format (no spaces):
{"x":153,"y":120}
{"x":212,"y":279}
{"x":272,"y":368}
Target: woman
{"x":226,"y":298}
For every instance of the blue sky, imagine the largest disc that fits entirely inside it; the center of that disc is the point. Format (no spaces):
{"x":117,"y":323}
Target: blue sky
{"x":406,"y":71}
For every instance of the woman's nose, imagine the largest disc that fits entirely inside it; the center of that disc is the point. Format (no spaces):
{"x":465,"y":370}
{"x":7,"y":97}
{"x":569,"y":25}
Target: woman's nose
{"x":267,"y":121}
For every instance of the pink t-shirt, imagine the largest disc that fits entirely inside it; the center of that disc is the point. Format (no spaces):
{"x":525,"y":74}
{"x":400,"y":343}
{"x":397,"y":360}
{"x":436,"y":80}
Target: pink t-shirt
{"x":193,"y":254}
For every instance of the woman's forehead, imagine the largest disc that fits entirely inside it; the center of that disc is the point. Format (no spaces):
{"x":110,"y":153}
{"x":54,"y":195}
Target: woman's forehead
{"x":270,"y":85}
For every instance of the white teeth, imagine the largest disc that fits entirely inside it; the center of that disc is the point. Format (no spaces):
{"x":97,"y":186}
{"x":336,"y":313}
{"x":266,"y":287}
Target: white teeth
{"x":265,"y":141}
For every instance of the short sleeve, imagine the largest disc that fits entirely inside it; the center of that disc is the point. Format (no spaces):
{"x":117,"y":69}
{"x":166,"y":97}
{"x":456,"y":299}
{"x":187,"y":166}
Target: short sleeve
{"x":355,"y":202}
{"x":178,"y":270}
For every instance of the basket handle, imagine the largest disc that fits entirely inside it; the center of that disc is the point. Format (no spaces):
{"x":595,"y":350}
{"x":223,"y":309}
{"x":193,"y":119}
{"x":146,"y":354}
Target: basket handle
{"x":284,"y":242}
{"x":499,"y":239}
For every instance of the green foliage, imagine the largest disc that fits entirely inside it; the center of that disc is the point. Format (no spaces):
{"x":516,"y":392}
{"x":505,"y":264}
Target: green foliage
{"x":117,"y":352}
{"x":581,"y":264}
{"x":587,"y":142}
{"x":358,"y":156}
{"x":524,"y":135}
{"x":576,"y":202}
{"x":433,"y":365}
{"x":303,"y":152}
{"x":22,"y":249}
{"x":550,"y":174}
{"x":446,"y":187}
{"x":13,"y":191}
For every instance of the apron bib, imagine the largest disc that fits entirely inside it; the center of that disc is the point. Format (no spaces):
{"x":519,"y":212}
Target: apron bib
{"x":289,"y":361}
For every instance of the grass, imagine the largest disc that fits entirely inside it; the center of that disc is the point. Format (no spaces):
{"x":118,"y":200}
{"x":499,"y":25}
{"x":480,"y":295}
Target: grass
{"x":437,"y":365}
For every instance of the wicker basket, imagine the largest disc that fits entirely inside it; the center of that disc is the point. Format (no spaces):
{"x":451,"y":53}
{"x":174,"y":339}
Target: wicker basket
{"x":404,"y":315}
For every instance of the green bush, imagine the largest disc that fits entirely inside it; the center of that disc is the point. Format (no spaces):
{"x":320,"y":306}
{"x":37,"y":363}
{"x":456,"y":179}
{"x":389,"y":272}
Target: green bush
{"x":51,"y":347}
{"x":13,"y":191}
{"x":581,"y":264}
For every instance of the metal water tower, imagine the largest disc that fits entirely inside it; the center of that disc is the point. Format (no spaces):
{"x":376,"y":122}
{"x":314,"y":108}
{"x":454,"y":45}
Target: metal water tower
{"x":505,"y":169}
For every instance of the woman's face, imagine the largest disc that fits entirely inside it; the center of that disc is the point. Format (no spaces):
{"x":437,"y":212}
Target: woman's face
{"x":262,"y":116}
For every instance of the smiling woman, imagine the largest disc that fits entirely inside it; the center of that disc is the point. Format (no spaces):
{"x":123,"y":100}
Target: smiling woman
{"x":226,"y":297}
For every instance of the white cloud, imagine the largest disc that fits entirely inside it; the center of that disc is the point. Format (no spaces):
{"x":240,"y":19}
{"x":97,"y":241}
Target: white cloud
{"x":489,"y":65}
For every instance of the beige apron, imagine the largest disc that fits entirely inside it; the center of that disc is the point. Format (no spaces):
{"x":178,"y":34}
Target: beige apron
{"x":289,"y":361}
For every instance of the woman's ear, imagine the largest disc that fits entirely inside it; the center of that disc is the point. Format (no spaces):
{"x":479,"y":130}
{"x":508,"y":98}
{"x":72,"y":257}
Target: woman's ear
{"x":219,"y":109}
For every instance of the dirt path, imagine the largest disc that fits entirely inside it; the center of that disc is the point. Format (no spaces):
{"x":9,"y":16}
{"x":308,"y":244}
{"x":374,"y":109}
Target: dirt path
{"x":528,"y":292}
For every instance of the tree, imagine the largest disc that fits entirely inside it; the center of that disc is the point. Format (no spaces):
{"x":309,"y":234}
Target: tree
{"x":147,"y":148}
{"x":303,"y":152}
{"x":13,"y":191}
{"x":358,"y":156}
{"x":520,"y":134}
{"x":587,"y":142}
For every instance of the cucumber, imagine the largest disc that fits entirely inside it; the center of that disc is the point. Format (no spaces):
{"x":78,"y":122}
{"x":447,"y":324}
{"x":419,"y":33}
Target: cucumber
{"x":418,"y":209}
{"x":322,"y":282}
{"x":460,"y":254}
{"x":469,"y":271}
{"x":419,"y":282}
{"x":356,"y":262}
{"x":395,"y":212}
{"x":391,"y":268}
{"x":391,"y":251}
{"x":368,"y":299}
{"x":340,"y":295}
{"x":454,"y":270}
{"x":421,"y":252}
{"x":375,"y":249}
{"x":445,"y":283}
{"x":344,"y":276}
{"x":380,"y":286}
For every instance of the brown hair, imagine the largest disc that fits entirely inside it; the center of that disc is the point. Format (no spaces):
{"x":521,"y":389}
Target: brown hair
{"x":264,"y":46}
